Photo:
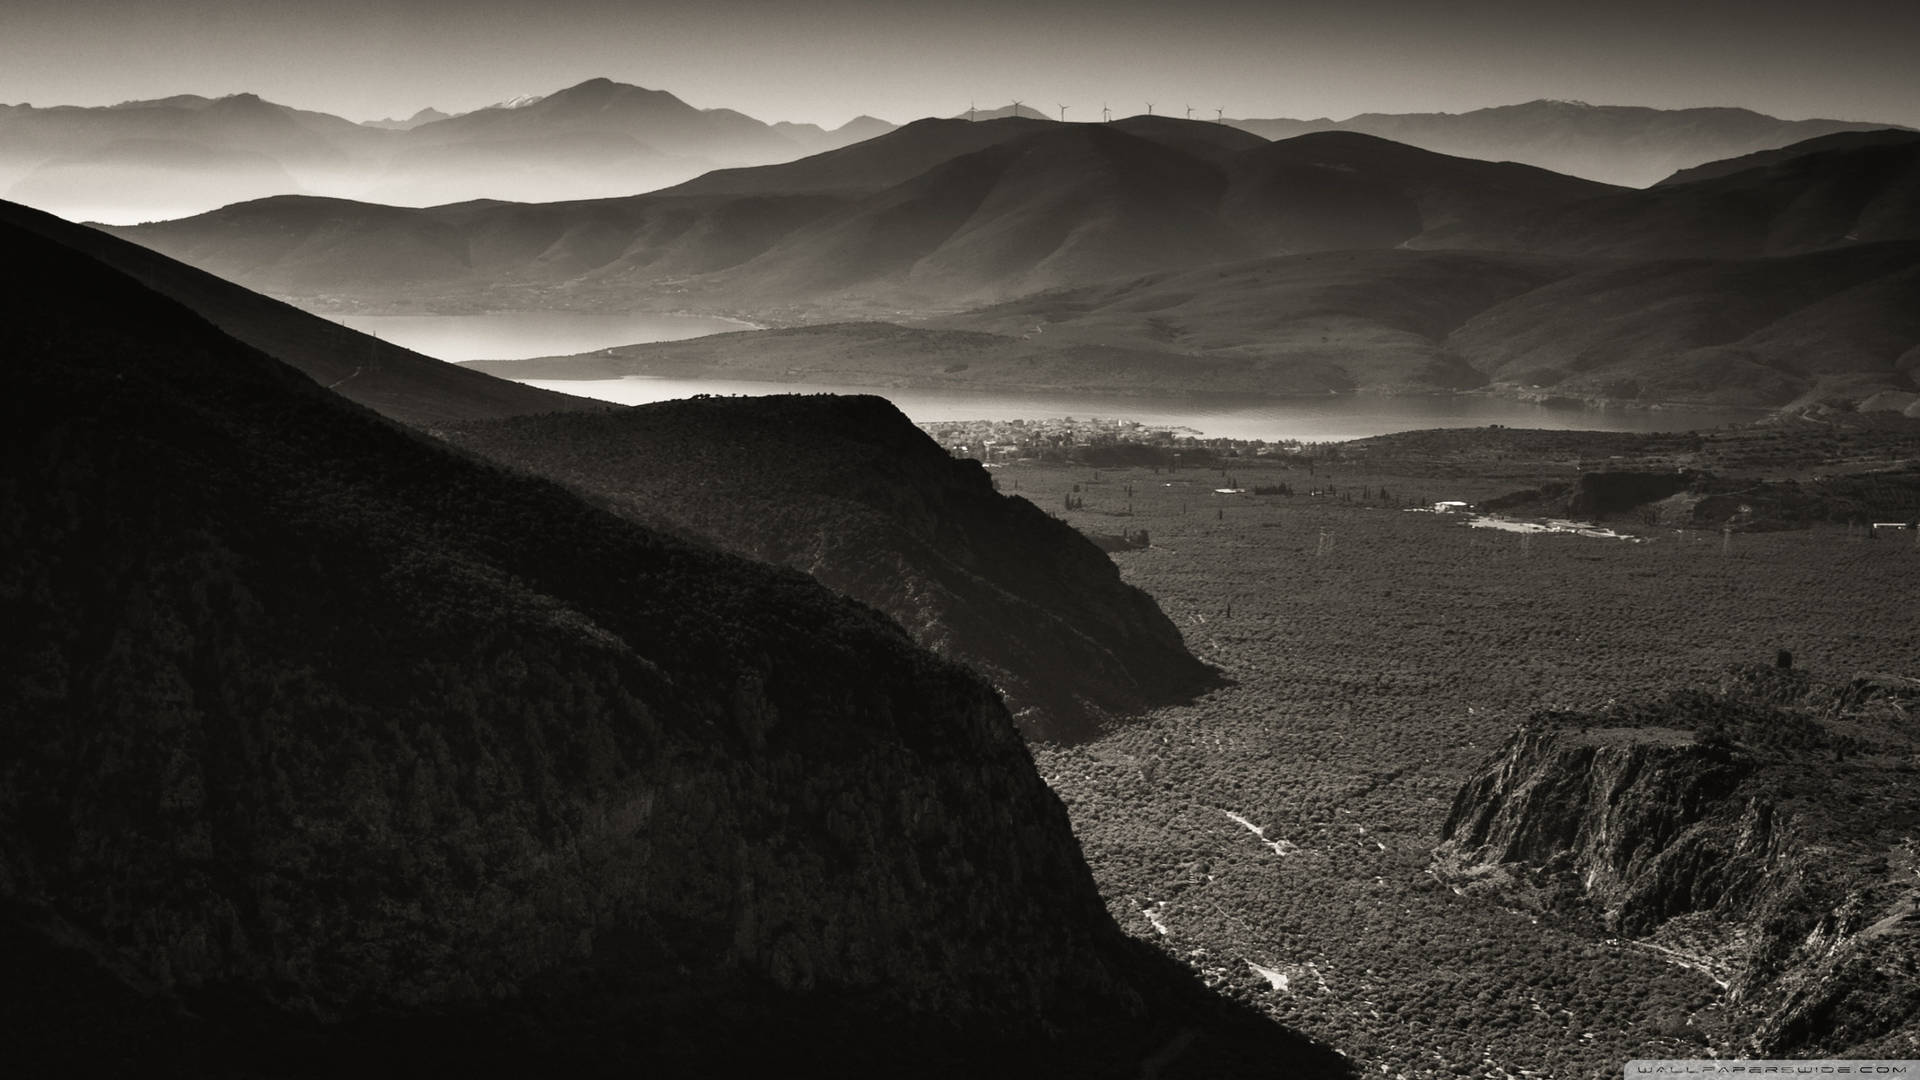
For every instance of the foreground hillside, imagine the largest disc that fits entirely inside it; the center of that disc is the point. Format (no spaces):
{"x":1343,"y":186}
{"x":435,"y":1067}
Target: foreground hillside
{"x":328,"y":750}
{"x":397,"y":382}
{"x":849,"y":491}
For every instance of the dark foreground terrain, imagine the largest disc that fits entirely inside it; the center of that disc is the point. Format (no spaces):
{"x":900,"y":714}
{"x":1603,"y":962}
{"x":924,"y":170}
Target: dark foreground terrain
{"x":327,"y":750}
{"x":847,"y":490}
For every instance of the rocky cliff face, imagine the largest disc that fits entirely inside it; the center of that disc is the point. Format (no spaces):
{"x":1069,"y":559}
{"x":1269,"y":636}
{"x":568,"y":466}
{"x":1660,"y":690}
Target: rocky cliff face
{"x":849,"y":491}
{"x":1643,"y":822}
{"x":1768,"y":848}
{"x":325,"y":750}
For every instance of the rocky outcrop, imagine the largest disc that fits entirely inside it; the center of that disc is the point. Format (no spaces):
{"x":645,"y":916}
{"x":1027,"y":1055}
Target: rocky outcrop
{"x":325,"y":750}
{"x":1679,"y":836}
{"x":849,"y":491}
{"x":1643,"y":824}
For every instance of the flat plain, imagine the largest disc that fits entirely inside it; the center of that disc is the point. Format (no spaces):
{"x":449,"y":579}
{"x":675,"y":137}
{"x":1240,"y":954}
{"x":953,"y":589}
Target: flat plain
{"x":1277,"y":833}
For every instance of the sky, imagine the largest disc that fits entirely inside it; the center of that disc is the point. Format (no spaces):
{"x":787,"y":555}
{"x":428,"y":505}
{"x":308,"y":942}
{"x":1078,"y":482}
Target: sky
{"x":825,"y":62}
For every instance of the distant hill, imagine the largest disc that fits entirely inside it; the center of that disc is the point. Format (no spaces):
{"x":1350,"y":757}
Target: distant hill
{"x":1155,"y":254}
{"x":939,"y":214}
{"x":398,"y":382}
{"x":597,"y":138}
{"x":1009,"y":111}
{"x":1334,"y":190}
{"x":1845,"y":140}
{"x":182,"y":155}
{"x":1839,"y":326}
{"x":1614,"y":144}
{"x":424,"y":116}
{"x":815,"y":139}
{"x":147,"y":159}
{"x":331,"y":750}
{"x":1298,"y":324}
{"x":1858,"y":191}
{"x":849,"y":491}
{"x":874,"y":165}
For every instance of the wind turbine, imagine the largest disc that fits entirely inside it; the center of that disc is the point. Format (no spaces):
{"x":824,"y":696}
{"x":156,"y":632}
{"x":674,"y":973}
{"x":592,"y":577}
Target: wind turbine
{"x":1149,"y":108}
{"x":1220,"y":116}
{"x":1189,"y":112}
{"x":969,"y":112}
{"x":1106,"y":114}
{"x":1016,"y":108}
{"x":1063,"y":114}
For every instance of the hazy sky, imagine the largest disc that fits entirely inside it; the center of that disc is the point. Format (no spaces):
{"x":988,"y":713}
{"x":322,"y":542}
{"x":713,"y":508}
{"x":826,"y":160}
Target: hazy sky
{"x":899,"y":59}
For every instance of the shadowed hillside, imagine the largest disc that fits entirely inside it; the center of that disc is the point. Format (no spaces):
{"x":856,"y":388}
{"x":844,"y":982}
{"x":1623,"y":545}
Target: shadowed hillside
{"x":848,"y":490}
{"x":327,"y":750}
{"x":398,"y":382}
{"x":1860,"y":192}
{"x":1334,"y":190}
{"x":1834,"y":324}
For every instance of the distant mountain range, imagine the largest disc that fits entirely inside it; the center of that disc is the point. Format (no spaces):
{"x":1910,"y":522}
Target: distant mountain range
{"x":1795,"y":280}
{"x":182,"y":155}
{"x":940,"y":213}
{"x":1161,"y":254}
{"x":1617,"y":144}
{"x":144,"y":160}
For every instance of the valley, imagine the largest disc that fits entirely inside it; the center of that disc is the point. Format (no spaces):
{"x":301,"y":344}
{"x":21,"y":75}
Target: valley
{"x":1377,"y":657}
{"x":594,"y":583}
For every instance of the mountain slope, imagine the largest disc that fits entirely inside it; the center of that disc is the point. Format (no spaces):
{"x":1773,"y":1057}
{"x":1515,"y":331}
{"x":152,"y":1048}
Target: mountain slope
{"x":1334,"y":190}
{"x":1857,"y":193}
{"x":400,"y":383}
{"x":849,"y":491}
{"x":1763,"y":332}
{"x":1615,"y":144}
{"x":1296,"y":324}
{"x":937,"y":214}
{"x":328,"y":750}
{"x":872,"y":165}
{"x":1066,"y":205}
{"x":1844,"y":140}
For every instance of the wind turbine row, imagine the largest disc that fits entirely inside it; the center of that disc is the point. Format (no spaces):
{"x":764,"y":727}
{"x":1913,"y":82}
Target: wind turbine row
{"x":1106,"y":114}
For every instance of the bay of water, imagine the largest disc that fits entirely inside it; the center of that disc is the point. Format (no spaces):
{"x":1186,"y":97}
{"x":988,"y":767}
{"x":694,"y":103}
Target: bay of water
{"x":518,"y":335}
{"x":513,"y":335}
{"x":1315,"y":419}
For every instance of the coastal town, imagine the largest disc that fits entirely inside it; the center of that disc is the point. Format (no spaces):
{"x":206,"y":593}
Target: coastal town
{"x":1070,"y":438}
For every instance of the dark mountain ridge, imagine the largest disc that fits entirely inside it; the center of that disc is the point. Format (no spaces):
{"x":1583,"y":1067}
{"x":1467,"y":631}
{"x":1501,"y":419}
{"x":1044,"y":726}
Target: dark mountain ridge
{"x":1820,"y":196}
{"x":847,"y":490}
{"x":328,"y":749}
{"x":392,"y":380}
{"x":1616,"y":144}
